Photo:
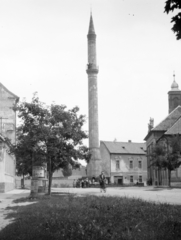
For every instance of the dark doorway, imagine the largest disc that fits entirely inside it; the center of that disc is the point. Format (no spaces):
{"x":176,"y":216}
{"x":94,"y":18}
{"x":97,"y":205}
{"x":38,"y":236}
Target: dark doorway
{"x":120,"y":181}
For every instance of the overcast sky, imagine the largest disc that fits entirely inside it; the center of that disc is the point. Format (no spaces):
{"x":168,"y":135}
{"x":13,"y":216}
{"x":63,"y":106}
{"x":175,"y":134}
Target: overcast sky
{"x":43,"y":48}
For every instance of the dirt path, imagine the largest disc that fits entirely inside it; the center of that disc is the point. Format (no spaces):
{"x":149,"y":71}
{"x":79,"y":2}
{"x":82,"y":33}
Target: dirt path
{"x":6,"y":200}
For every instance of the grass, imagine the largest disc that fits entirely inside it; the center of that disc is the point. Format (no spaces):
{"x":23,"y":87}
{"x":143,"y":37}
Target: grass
{"x":92,"y":218}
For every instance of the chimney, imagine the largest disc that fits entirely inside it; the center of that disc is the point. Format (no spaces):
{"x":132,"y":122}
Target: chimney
{"x":129,"y":141}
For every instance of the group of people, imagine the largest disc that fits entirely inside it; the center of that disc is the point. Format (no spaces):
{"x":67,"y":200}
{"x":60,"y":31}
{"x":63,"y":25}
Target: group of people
{"x":81,"y":183}
{"x":85,"y":183}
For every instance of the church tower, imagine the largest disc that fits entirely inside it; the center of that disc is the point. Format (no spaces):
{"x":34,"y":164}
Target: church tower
{"x":94,"y":165}
{"x":174,"y":96}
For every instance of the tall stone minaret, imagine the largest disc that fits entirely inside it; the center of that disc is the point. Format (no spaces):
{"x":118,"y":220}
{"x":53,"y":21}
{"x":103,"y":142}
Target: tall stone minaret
{"x":94,"y":165}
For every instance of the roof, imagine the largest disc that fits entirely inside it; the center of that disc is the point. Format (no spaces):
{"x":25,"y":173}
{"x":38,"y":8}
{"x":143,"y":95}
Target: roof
{"x":169,"y":120}
{"x":125,"y":147}
{"x":167,"y":123}
{"x":13,"y":95}
{"x":175,"y":129}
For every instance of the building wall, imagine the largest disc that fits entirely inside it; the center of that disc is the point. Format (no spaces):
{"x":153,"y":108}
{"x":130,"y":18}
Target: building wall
{"x":159,"y":177}
{"x":121,"y":168}
{"x":151,"y":171}
{"x":7,"y":170}
{"x":7,"y":129}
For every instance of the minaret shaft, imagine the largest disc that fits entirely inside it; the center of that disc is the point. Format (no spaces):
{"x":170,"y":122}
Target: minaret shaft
{"x":94,"y":166}
{"x":92,"y":51}
{"x":93,"y":111}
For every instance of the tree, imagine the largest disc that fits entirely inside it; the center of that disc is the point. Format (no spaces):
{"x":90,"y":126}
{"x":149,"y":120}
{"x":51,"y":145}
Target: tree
{"x":158,"y":156}
{"x":167,"y":156}
{"x":67,"y":171}
{"x":173,"y":160}
{"x":171,"y":5}
{"x":50,"y":134}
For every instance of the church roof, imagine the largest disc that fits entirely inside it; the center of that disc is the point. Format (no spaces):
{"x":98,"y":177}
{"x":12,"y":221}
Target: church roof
{"x":169,"y":120}
{"x":175,"y":129}
{"x":91,"y":26}
{"x":125,"y":147}
{"x":167,"y":123}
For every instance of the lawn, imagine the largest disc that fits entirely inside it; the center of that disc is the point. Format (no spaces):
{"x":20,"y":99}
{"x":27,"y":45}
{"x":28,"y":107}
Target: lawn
{"x":90,"y":217}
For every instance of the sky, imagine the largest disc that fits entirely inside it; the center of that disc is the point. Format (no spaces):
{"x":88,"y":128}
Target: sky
{"x":43,"y":48}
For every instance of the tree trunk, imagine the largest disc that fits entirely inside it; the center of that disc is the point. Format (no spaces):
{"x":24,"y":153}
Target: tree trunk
{"x":50,"y":177}
{"x":169,"y":177}
{"x":23,"y":182}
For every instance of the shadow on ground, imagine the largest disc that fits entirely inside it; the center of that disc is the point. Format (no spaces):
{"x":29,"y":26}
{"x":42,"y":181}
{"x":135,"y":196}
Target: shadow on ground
{"x":23,"y":212}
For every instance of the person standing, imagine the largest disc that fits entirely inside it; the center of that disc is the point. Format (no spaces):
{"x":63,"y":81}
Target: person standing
{"x":102,"y":182}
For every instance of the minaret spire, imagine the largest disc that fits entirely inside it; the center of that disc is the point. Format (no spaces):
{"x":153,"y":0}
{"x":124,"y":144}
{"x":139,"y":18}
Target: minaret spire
{"x":94,"y":165}
{"x":91,"y":26}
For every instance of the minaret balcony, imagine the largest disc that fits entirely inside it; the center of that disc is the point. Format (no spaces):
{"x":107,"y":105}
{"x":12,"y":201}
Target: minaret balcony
{"x":92,"y":68}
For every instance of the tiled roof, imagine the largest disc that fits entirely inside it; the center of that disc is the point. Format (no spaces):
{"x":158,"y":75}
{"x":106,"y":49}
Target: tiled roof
{"x":125,"y":147}
{"x":175,"y":129}
{"x":169,"y":121}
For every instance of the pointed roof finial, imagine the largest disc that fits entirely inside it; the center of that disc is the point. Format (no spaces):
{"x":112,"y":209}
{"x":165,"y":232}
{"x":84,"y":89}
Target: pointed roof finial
{"x":174,"y":85}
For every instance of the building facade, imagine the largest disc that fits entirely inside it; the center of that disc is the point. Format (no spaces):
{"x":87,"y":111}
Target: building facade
{"x":8,"y":101}
{"x":169,"y":127}
{"x":124,"y":162}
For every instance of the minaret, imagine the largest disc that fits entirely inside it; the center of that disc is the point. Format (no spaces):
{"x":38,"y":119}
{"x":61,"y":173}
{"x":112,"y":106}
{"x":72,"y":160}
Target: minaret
{"x":174,"y":96}
{"x":94,"y":165}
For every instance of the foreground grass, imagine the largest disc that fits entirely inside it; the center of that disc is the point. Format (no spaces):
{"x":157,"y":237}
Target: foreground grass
{"x":101,"y":218}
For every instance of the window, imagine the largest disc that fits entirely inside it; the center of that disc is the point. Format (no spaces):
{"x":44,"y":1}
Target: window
{"x":139,"y":164}
{"x":131,"y":164}
{"x":140,"y":179}
{"x":131,"y":179}
{"x":117,"y":165}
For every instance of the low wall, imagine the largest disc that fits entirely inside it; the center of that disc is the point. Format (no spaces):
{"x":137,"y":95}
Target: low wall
{"x":27,"y":183}
{"x":55,"y":183}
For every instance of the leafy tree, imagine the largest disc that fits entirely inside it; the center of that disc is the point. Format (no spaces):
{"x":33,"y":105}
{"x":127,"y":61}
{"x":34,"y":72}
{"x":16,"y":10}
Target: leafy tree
{"x":50,"y":134}
{"x":171,"y":5}
{"x":67,"y":171}
{"x":173,"y":160}
{"x":167,"y":156}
